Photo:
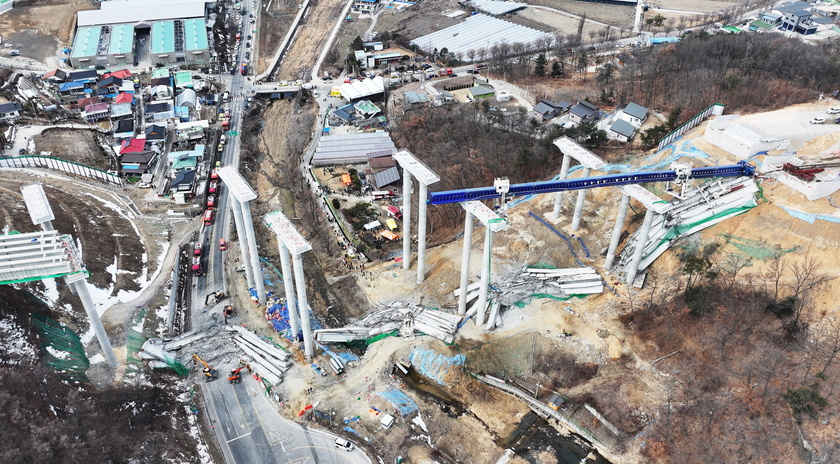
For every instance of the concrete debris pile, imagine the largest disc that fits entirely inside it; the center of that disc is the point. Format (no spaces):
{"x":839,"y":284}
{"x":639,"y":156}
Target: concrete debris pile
{"x":160,"y":352}
{"x":700,"y":208}
{"x":269,"y":361}
{"x":561,"y":283}
{"x":406,"y":317}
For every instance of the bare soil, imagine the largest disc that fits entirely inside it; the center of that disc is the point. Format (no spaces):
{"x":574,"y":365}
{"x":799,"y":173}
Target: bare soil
{"x":614,"y":15}
{"x":314,"y":29}
{"x":40,"y":28}
{"x":79,"y":146}
{"x":275,"y":19}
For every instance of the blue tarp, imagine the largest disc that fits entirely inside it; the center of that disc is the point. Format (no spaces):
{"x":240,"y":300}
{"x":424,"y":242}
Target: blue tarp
{"x":433,"y":364}
{"x":399,"y":400}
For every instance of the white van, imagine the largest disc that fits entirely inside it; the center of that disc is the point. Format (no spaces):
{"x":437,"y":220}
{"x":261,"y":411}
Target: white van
{"x":344,"y":444}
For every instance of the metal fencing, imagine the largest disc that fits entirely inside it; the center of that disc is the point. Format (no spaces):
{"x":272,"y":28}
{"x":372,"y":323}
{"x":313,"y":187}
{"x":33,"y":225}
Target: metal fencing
{"x":714,"y":108}
{"x":60,"y":165}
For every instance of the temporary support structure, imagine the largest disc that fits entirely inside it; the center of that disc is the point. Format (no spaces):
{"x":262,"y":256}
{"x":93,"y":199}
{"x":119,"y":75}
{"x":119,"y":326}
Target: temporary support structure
{"x":290,"y":239}
{"x":242,"y":194}
{"x":492,"y":223}
{"x":42,"y":215}
{"x":425,"y":177}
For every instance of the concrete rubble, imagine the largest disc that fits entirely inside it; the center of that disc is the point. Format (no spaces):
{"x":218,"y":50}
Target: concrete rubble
{"x":406,"y":317}
{"x":700,"y":208}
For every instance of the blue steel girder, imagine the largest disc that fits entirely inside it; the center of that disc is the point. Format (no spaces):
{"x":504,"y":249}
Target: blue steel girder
{"x":611,"y":180}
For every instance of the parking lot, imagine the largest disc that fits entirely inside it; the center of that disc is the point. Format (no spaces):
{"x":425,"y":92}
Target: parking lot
{"x":794,"y":122}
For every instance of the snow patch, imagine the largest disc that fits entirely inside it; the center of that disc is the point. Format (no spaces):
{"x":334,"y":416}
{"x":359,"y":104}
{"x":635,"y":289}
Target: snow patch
{"x":16,"y":349}
{"x":419,"y":421}
{"x":58,"y":354}
{"x":97,"y":358}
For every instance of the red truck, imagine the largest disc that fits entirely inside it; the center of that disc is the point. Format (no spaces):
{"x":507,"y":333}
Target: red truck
{"x":208,"y":217}
{"x":197,"y":249}
{"x":445,"y":72}
{"x":196,"y":266}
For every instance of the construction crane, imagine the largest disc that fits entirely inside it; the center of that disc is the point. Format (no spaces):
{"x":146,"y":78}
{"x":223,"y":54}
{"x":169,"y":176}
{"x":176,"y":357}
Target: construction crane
{"x":209,"y":372}
{"x":236,"y":376}
{"x":500,"y":190}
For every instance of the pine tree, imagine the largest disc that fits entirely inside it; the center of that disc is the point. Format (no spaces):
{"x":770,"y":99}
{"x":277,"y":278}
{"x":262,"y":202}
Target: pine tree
{"x":539,"y":67}
{"x":557,"y":69}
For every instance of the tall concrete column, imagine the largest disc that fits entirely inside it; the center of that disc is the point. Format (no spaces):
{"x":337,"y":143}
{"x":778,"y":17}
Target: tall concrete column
{"x":640,"y":247}
{"x":617,"y":228}
{"x":243,"y":241}
{"x":558,"y":197}
{"x":485,"y":276}
{"x":80,"y":286}
{"x":288,"y":284}
{"x":465,"y":263}
{"x":579,"y":204}
{"x":47,"y":226}
{"x":406,"y":219}
{"x":303,"y":306}
{"x":421,"y":235}
{"x":252,"y":249}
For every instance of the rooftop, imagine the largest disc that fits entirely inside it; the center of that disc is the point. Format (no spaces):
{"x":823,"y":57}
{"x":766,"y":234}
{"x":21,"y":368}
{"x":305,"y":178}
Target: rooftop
{"x":163,"y":37}
{"x":495,"y":7}
{"x":623,"y":127}
{"x":195,"y":34}
{"x":477,"y":31}
{"x":635,"y":110}
{"x":86,"y":41}
{"x":122,"y":39}
{"x":351,"y":148}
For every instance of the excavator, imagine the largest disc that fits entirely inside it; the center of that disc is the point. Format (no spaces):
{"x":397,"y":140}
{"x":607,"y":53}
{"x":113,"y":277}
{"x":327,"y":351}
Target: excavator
{"x":209,"y":372}
{"x":236,"y":376}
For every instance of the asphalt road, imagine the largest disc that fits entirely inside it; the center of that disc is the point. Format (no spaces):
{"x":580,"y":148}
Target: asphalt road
{"x":251,"y":430}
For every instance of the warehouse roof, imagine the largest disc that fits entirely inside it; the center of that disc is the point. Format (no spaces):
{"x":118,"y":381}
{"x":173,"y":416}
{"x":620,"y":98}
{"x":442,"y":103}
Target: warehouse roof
{"x":86,"y":42}
{"x":195,"y":34}
{"x":163,"y":37}
{"x":351,"y":148}
{"x":145,"y":12}
{"x":495,"y":7}
{"x":475,"y":32}
{"x":122,"y":39}
{"x":362,"y":88}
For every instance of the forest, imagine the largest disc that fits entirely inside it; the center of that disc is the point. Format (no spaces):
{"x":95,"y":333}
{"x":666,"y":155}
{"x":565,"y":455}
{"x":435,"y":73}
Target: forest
{"x":746,"y":72}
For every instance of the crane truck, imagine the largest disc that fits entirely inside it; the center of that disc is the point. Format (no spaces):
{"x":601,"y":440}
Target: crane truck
{"x":209,"y":372}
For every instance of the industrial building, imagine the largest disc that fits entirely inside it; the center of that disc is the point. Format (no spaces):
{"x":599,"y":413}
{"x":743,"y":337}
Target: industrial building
{"x":476,"y":32}
{"x":175,"y":31}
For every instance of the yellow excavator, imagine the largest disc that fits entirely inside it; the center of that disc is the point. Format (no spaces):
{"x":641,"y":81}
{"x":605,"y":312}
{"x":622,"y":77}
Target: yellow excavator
{"x":209,"y":372}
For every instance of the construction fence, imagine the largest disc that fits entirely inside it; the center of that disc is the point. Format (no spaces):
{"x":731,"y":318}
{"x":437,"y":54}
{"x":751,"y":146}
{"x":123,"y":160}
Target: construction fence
{"x":8,"y":162}
{"x":713,"y":109}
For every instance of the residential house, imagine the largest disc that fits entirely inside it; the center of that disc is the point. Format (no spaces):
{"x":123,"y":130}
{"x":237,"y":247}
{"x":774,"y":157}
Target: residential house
{"x":83,"y":102}
{"x":770,"y":18}
{"x":83,"y":76}
{"x":634,"y":114}
{"x":96,"y":112}
{"x":366,"y":6}
{"x":186,"y":99}
{"x":137,"y":163}
{"x":132,"y":146}
{"x":71,"y":90}
{"x":123,"y":128}
{"x":621,"y":130}
{"x":10,"y":111}
{"x":412,"y":100}
{"x":584,"y":112}
{"x":121,"y":111}
{"x":183,"y":164}
{"x":183,"y":182}
{"x":110,"y":84}
{"x":155,"y":133}
{"x":546,"y":110}
{"x":210,"y":99}
{"x":122,"y":74}
{"x":345,"y":113}
{"x":124,"y":97}
{"x":56,"y":76}
{"x":796,"y":17}
{"x":159,"y":111}
{"x":480,"y":93}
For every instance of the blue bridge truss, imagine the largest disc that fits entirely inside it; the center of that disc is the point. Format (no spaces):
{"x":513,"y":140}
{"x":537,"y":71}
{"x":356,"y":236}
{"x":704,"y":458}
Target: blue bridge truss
{"x":611,"y":180}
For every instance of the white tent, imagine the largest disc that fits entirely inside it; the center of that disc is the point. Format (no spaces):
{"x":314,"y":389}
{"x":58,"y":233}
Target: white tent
{"x":362,"y":88}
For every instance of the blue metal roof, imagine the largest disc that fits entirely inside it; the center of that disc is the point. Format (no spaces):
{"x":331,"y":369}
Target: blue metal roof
{"x":86,"y":42}
{"x":163,"y":37}
{"x":195,"y":35}
{"x":122,"y":39}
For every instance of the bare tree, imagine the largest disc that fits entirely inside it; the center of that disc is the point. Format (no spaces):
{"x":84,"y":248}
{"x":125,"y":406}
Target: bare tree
{"x":471,"y":54}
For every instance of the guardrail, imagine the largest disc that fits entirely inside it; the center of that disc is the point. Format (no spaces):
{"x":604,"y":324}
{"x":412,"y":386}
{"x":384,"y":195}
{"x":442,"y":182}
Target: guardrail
{"x":9,"y":162}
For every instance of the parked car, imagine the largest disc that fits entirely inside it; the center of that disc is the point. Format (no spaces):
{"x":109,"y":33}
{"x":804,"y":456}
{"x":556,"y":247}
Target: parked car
{"x":837,"y":121}
{"x":817,"y":121}
{"x":222,"y":244}
{"x":833,"y":111}
{"x":344,"y":444}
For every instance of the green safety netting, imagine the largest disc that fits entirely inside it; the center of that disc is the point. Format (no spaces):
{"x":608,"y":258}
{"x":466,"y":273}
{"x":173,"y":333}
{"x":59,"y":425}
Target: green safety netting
{"x":534,"y":296}
{"x":61,"y":349}
{"x":542,"y":265}
{"x":681,"y":229}
{"x":755,"y":248}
